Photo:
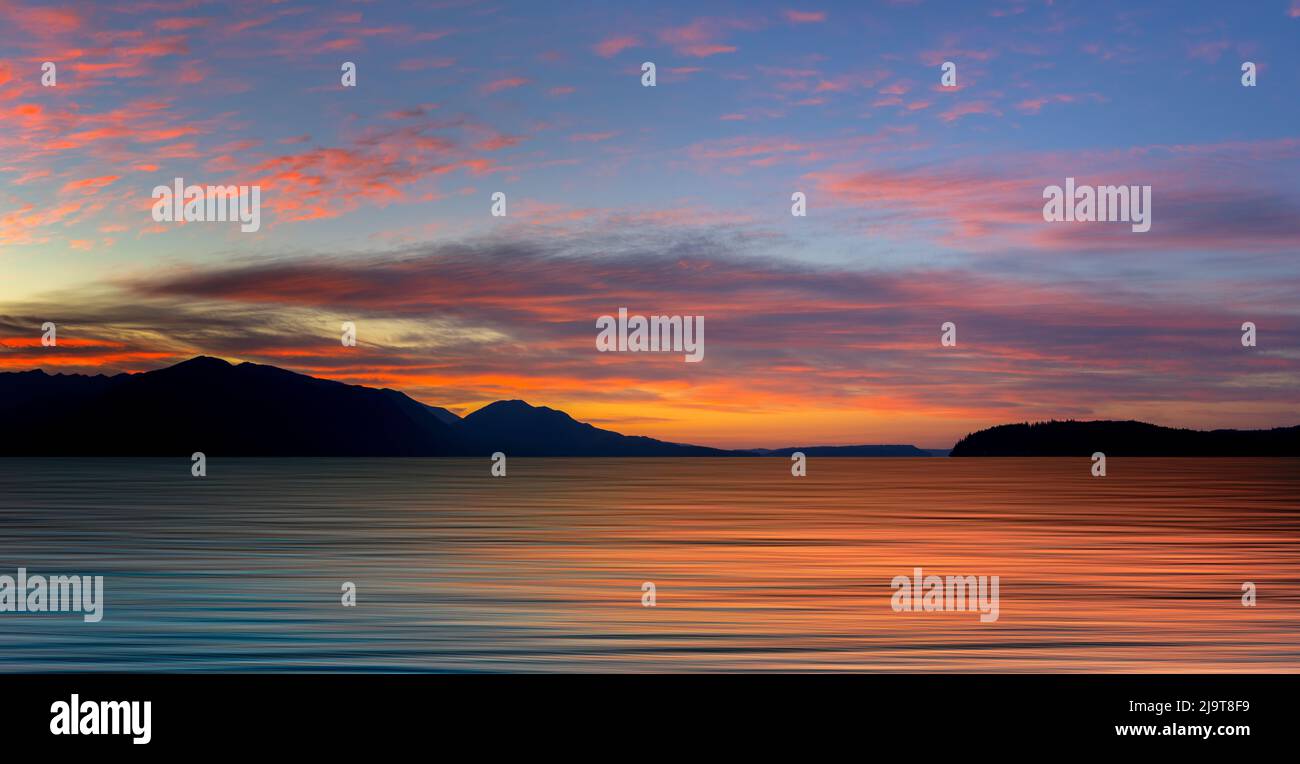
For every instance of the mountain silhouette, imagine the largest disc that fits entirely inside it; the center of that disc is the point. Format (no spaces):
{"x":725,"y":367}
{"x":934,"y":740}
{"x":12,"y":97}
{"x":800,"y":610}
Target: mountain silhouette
{"x":514,"y":427}
{"x":1126,"y":438}
{"x":210,"y":405}
{"x":206,"y":404}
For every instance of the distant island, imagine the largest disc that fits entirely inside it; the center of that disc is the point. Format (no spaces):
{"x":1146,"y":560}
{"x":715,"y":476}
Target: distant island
{"x":210,"y":405}
{"x":1125,"y":438}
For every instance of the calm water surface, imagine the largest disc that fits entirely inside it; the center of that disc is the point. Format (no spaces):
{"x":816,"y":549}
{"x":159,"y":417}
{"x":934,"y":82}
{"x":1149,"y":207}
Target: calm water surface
{"x":755,"y":570}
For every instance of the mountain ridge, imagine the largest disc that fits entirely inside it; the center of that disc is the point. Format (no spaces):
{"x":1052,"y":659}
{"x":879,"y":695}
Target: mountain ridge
{"x":209,"y":404}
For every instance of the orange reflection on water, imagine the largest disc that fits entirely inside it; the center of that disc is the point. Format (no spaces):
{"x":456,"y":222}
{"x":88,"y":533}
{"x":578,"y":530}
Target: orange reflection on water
{"x":757,"y":570}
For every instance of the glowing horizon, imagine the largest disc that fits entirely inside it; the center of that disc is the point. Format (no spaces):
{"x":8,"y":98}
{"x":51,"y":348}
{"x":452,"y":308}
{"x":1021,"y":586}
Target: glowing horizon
{"x":924,"y":206}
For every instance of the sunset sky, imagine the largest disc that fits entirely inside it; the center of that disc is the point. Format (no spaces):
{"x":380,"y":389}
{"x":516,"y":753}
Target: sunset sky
{"x":924,"y":205}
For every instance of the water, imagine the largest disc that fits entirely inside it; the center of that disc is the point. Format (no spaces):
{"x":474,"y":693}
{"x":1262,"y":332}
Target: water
{"x":755,"y":570}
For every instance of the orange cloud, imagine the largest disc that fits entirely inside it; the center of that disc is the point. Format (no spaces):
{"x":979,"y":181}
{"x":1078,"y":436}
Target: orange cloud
{"x":90,"y":185}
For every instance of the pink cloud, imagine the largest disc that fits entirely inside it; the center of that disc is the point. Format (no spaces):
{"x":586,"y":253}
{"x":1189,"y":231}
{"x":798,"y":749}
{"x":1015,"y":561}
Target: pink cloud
{"x":180,"y":24}
{"x":591,"y":137}
{"x":1034,"y":105}
{"x":969,"y":108}
{"x":1210,"y":52}
{"x":498,"y":142}
{"x":614,"y":45}
{"x":1227,"y":210}
{"x":507,"y":83}
{"x":956,"y":55}
{"x":418,"y":64}
{"x":805,"y":17}
{"x":702,"y":37}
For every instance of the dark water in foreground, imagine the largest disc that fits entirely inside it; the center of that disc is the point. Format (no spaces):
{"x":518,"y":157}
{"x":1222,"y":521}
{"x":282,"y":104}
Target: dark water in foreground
{"x":754,"y":569}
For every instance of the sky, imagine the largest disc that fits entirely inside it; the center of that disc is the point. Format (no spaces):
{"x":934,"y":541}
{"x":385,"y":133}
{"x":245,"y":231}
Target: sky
{"x":924,"y":206}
